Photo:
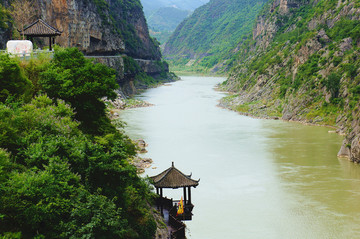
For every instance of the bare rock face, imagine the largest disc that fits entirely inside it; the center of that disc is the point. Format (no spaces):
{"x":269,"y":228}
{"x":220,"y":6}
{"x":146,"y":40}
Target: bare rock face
{"x":81,"y":26}
{"x":104,"y":28}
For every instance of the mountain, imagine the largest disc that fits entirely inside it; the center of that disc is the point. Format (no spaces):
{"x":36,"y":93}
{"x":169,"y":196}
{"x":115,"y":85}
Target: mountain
{"x":301,"y":63}
{"x":163,"y":16}
{"x":164,"y":21}
{"x":154,"y":5}
{"x":167,"y":18}
{"x":206,"y":39}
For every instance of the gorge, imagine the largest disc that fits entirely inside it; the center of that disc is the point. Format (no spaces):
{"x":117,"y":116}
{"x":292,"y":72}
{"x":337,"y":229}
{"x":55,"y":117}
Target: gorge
{"x":66,"y":168}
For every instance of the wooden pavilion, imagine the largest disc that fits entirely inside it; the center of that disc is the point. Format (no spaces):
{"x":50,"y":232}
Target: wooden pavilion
{"x":173,"y":178}
{"x":40,"y":28}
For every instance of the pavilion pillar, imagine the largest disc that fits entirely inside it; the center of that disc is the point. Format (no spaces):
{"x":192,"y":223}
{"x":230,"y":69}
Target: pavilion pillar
{"x":189,"y":188}
{"x":50,"y":44}
{"x":185,"y":195}
{"x":161,"y":202}
{"x":158,"y":200}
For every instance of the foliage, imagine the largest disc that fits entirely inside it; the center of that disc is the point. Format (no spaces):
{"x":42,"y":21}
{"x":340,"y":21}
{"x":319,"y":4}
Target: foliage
{"x":75,"y":79}
{"x":60,"y":183}
{"x":13,"y":80}
{"x":4,"y":18}
{"x":60,"y":177}
{"x":333,"y":84}
{"x":119,"y":14}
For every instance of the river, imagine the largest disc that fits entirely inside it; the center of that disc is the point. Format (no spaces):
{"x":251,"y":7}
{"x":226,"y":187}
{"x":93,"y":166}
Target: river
{"x":259,"y":178}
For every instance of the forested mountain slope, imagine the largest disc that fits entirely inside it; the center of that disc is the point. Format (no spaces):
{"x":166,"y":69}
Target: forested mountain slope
{"x":210,"y":34}
{"x":152,"y":5}
{"x":163,"y":16}
{"x":302,"y":63}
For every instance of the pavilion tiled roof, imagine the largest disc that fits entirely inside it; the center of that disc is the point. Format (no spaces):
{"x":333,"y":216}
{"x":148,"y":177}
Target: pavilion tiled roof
{"x":41,"y":28}
{"x":173,"y":178}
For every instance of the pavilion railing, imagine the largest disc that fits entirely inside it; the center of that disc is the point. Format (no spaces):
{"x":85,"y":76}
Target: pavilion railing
{"x":174,"y":222}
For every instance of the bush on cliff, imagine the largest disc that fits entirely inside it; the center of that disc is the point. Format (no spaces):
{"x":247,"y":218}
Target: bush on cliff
{"x":80,"y":82}
{"x":13,"y":82}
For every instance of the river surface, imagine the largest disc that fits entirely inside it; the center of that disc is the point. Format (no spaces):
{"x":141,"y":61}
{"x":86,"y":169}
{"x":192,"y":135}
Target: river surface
{"x":259,"y":178}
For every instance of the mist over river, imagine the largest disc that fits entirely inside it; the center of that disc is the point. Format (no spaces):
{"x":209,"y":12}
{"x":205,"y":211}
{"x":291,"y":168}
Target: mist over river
{"x":259,"y":178}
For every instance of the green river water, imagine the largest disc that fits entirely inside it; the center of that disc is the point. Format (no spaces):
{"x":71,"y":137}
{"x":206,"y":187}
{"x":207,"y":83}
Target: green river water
{"x":259,"y":178}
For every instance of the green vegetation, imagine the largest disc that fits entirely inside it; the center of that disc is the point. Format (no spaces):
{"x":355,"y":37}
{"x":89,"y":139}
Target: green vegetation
{"x":120,"y":14}
{"x":5,"y":19}
{"x":211,"y":33}
{"x":13,"y":80}
{"x":59,"y":177}
{"x":164,"y":21}
{"x":166,"y":18}
{"x":81,"y":83}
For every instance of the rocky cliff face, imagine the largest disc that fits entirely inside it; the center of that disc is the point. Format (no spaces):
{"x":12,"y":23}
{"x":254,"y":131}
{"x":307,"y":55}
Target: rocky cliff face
{"x":302,"y":65}
{"x":101,"y":28}
{"x":81,"y":26}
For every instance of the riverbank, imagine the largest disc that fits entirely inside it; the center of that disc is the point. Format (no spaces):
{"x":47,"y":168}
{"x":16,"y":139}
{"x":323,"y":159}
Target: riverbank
{"x":244,"y":105}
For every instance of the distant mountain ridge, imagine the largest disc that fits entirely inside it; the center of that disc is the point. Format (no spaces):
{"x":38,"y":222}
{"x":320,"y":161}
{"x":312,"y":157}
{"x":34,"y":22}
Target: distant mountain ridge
{"x":153,"y":5}
{"x":207,"y":38}
{"x":163,"y":16}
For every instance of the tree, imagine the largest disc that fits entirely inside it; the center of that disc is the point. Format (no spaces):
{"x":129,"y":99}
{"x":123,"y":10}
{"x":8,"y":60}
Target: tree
{"x":80,"y":82}
{"x":23,"y":11}
{"x":333,"y":84}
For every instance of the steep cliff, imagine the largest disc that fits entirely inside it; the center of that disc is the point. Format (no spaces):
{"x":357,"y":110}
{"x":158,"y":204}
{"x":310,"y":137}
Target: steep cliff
{"x":302,"y":64}
{"x":104,"y":28}
{"x":99,"y":27}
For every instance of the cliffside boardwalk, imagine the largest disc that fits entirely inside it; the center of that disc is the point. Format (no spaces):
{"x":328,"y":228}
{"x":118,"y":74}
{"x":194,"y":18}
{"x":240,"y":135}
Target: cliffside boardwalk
{"x":174,"y":179}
